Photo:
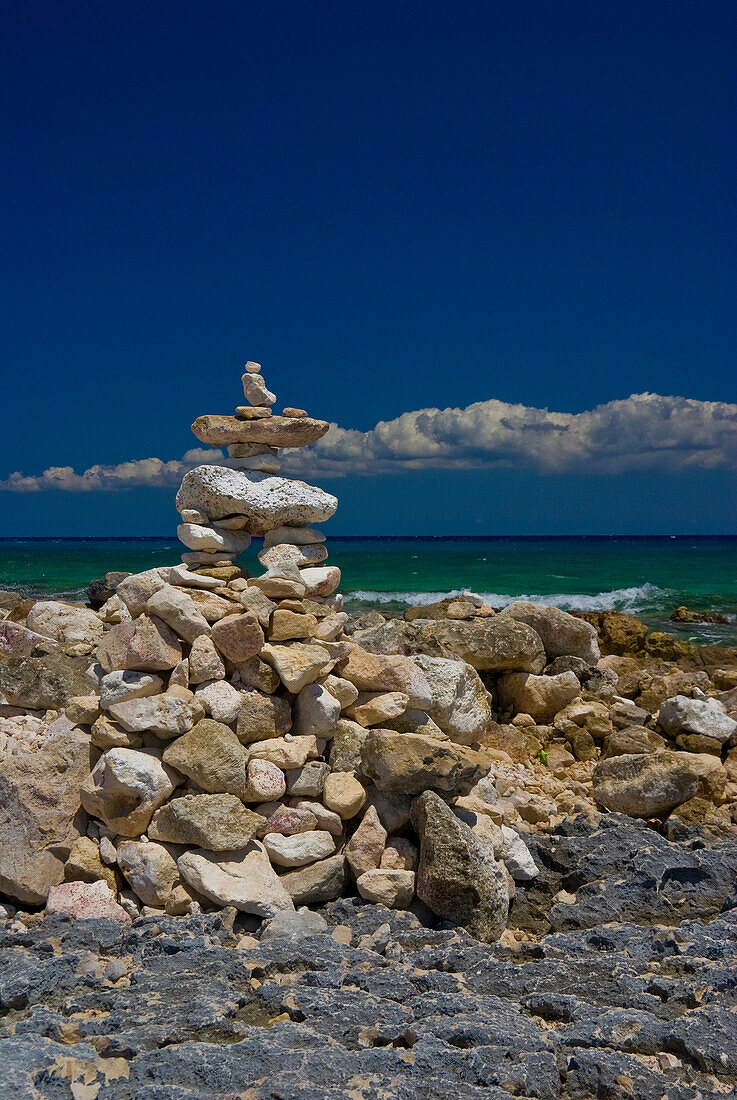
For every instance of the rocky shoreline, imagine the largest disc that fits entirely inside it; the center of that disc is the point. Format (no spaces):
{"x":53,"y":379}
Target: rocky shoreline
{"x":251,"y":846}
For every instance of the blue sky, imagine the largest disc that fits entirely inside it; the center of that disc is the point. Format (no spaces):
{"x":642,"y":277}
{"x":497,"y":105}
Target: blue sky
{"x":393,"y":207}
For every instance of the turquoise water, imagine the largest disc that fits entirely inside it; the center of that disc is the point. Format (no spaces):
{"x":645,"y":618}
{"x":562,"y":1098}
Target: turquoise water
{"x":646,"y":576}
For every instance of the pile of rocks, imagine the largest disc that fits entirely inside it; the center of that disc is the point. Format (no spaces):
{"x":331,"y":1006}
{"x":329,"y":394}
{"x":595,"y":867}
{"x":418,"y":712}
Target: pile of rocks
{"x":237,"y":741}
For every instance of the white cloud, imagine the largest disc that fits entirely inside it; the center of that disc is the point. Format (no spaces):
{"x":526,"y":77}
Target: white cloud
{"x":642,"y":432}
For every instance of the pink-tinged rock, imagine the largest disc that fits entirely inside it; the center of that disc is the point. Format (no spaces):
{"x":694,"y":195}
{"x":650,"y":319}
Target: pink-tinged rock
{"x":17,"y":641}
{"x":321,"y":580}
{"x":265,"y":782}
{"x":238,"y":637}
{"x":86,"y":901}
{"x":146,"y":645}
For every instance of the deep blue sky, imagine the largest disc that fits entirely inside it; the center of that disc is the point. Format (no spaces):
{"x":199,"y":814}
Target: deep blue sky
{"x":391,"y":205}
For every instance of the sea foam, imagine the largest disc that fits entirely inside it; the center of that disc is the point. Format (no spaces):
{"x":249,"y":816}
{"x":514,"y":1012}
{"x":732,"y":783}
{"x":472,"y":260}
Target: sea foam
{"x":636,"y":598}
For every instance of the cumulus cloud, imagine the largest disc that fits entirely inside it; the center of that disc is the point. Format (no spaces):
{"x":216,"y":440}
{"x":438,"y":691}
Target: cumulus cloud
{"x":642,"y":432}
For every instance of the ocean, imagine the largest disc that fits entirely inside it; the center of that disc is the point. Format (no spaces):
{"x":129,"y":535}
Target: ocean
{"x":645,"y":576}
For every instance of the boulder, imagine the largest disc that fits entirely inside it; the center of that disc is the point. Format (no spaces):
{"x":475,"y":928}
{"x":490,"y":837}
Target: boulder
{"x":17,"y":640}
{"x":317,"y":883}
{"x":85,"y":901}
{"x":150,"y":870}
{"x":211,"y":756}
{"x":562,"y":635}
{"x":179,"y":611}
{"x":215,"y":822}
{"x":644,"y":784}
{"x":238,"y":637}
{"x":124,"y":789}
{"x":244,"y":879}
{"x":275,"y":431}
{"x":375,"y":672}
{"x":42,"y":683}
{"x":493,"y":644}
{"x":67,"y":625}
{"x":266,"y":500}
{"x":147,"y":645}
{"x":461,"y":705}
{"x":542,"y":697}
{"x":701,"y":724}
{"x":40,"y":814}
{"x":409,"y":763}
{"x":164,"y":715}
{"x":457,"y":876}
{"x":393,"y":888}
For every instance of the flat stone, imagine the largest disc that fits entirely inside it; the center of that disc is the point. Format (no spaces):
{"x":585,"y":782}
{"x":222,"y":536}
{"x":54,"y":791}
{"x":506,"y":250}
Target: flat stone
{"x":297,"y":536}
{"x":299,"y":849}
{"x":211,"y":756}
{"x":277,"y":431}
{"x":376,"y":708}
{"x":380,"y":673}
{"x":164,"y":715}
{"x":124,"y":684}
{"x":244,"y":879}
{"x":211,"y":540}
{"x":215,"y":822}
{"x":286,"y":754}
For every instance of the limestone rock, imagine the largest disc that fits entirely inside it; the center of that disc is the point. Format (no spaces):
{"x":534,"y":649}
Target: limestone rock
{"x":65,"y":624}
{"x":205,"y":663}
{"x":288,"y":554}
{"x":85,"y":865}
{"x":377,"y":708}
{"x":86,"y":901}
{"x":276,"y":431}
{"x":394,"y":889}
{"x":399,"y":854}
{"x":265,"y":500}
{"x":457,"y":877}
{"x":150,"y":870}
{"x":562,"y":635}
{"x":297,"y":536}
{"x":297,"y":665}
{"x":238,"y":637}
{"x":40,"y":815}
{"x":365,"y":848}
{"x":542,"y":697}
{"x":215,"y":822}
{"x":316,"y":712}
{"x":16,"y":640}
{"x":316,"y":883}
{"x":408,"y":763}
{"x":373,"y":672}
{"x":211,"y":540}
{"x":688,"y":720}
{"x":125,"y":787}
{"x":244,"y":879}
{"x":494,"y":644}
{"x":178,"y":611}
{"x":255,"y":391}
{"x":343,"y":794}
{"x":265,"y":781}
{"x":287,"y":820}
{"x":164,"y":715}
{"x":461,"y":705}
{"x":41,"y":683}
{"x":517,"y":856}
{"x":262,"y":716}
{"x":321,"y":580}
{"x":122,"y":685}
{"x":211,"y":755}
{"x":291,"y":626}
{"x":644,"y":785}
{"x":137,"y":588}
{"x":145,"y":645}
{"x":309,"y":780}
{"x":299,"y":849}
{"x":220,"y":699}
{"x":286,"y":754}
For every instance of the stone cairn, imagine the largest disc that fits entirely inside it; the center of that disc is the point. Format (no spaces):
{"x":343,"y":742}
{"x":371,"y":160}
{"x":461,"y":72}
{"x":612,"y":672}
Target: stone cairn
{"x":244,"y":761}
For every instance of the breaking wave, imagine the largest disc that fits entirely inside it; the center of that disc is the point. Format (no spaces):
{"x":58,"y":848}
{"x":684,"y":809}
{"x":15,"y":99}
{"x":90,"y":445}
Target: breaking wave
{"x":637,"y":598}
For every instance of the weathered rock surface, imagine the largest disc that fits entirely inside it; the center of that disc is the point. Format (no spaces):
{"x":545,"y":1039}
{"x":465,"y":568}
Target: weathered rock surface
{"x":64,"y":623}
{"x":542,"y":697}
{"x":460,"y":705}
{"x":146,"y":644}
{"x":215,"y":822}
{"x":265,"y":500}
{"x":38,"y":683}
{"x":276,"y":431}
{"x":409,"y":763}
{"x":40,"y":815}
{"x":562,"y":635}
{"x":457,"y":876}
{"x":644,"y":785}
{"x":244,"y":879}
{"x":124,"y":789}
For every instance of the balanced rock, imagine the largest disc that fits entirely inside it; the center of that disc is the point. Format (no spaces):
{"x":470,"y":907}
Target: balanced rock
{"x":265,"y":500}
{"x":276,"y":431}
